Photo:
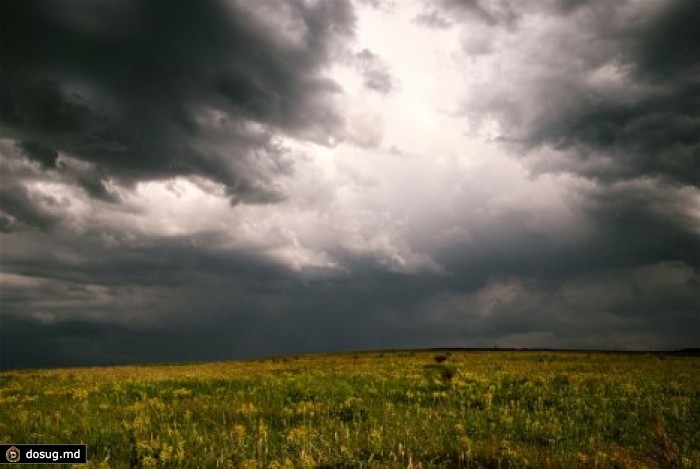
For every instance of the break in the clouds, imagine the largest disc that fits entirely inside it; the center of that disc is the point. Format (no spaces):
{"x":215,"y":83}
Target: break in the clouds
{"x":203,"y":180}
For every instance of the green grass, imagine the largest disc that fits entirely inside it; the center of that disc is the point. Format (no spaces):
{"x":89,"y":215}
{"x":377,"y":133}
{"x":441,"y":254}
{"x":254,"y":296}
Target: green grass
{"x":392,"y":409}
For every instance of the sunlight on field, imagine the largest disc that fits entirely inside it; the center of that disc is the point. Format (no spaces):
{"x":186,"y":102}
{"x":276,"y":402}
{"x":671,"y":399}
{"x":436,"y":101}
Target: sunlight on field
{"x":393,"y":409}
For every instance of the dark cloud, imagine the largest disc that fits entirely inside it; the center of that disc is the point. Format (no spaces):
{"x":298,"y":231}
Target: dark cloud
{"x":112,"y":257}
{"x":45,"y":156}
{"x":7,"y":223}
{"x":647,"y":307}
{"x":618,"y":98}
{"x":374,"y":70}
{"x":493,"y":13}
{"x":141,"y":89}
{"x":653,"y":136}
{"x":643,"y":223}
{"x":171,"y":301}
{"x":93,"y":182}
{"x":213,"y":315}
{"x":569,"y":6}
{"x":19,"y":204}
{"x":433,"y":19}
{"x":667,"y":49}
{"x":621,"y":227}
{"x":386,"y":6}
{"x":473,"y":8}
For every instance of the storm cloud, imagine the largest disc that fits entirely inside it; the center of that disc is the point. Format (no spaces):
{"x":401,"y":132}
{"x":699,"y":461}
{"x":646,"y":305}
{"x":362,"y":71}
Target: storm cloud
{"x":147,"y":90}
{"x":612,"y":87}
{"x":206,"y":180}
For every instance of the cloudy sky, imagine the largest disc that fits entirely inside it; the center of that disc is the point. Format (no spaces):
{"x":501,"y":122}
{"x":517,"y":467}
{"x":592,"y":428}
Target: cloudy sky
{"x":201,"y":180}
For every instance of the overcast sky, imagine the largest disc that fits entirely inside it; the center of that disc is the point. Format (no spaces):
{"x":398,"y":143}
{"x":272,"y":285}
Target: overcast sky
{"x":201,"y":180}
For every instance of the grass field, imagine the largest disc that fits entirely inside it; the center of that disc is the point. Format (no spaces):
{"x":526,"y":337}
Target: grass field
{"x":392,"y":409}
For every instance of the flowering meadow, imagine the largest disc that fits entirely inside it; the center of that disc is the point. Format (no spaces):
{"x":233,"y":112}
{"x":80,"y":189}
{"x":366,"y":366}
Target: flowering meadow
{"x":423,"y":408}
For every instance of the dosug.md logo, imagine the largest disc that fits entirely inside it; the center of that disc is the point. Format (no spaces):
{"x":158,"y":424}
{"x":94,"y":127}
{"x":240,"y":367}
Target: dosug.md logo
{"x":12,"y":454}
